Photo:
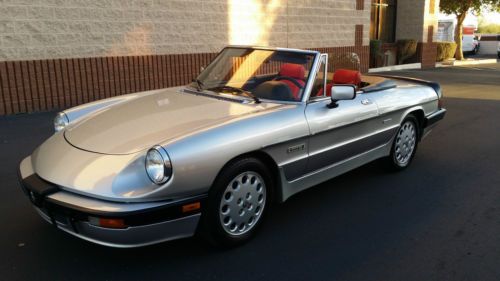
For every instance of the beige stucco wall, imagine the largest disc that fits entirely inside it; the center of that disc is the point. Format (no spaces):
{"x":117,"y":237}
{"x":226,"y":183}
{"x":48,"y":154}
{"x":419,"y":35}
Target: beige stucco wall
{"x":431,"y":18}
{"x":414,"y":17}
{"x":39,"y":29}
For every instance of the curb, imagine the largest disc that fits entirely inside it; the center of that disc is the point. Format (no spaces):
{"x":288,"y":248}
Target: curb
{"x":466,"y":62}
{"x":396,"y":67}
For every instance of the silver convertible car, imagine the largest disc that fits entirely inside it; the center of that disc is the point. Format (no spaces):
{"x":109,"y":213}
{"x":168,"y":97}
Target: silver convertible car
{"x":255,"y":127}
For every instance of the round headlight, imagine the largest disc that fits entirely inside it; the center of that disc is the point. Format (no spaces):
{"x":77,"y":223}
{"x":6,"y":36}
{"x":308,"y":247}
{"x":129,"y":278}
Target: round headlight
{"x":61,"y":121}
{"x":158,"y":166}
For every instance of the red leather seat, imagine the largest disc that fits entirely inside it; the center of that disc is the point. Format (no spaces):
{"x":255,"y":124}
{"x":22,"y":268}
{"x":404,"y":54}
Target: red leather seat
{"x":293,"y":71}
{"x":346,"y":76}
{"x":342,"y":76}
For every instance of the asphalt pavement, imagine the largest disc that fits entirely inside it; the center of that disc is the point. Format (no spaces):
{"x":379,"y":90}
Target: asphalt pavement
{"x":437,"y":220}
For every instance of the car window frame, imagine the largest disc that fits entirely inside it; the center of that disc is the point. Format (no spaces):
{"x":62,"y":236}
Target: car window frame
{"x":310,"y":79}
{"x":325,"y":78}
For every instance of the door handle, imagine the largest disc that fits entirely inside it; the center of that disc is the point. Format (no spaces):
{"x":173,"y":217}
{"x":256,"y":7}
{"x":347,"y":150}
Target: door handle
{"x":366,"y":102}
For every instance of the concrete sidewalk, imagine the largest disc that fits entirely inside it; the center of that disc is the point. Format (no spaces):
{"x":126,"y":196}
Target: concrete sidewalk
{"x":468,"y":60}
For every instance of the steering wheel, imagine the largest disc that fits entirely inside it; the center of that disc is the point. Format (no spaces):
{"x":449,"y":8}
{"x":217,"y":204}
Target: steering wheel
{"x":294,"y":81}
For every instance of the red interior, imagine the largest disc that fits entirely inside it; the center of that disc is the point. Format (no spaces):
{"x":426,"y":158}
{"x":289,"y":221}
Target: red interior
{"x":293,"y":70}
{"x":342,"y":76}
{"x":296,"y":72}
{"x":346,"y":76}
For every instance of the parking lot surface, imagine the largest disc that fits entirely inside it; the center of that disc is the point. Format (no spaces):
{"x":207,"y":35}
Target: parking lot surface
{"x":437,"y":220}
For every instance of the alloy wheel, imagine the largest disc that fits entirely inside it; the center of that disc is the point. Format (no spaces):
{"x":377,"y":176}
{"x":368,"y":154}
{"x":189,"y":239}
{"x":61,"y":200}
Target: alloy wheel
{"x":242,"y":203}
{"x":405,"y":143}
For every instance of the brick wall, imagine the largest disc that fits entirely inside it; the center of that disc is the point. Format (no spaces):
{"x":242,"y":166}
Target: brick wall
{"x":41,"y":85}
{"x":48,"y":29}
{"x":56,"y":54}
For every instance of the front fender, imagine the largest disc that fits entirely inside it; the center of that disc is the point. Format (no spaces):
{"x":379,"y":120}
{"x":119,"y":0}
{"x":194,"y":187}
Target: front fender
{"x":103,"y":176}
{"x":198,"y":159}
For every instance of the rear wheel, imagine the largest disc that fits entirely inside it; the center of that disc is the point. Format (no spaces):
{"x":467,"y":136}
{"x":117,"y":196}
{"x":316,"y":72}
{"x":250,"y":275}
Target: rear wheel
{"x":405,"y":143}
{"x":237,"y":203}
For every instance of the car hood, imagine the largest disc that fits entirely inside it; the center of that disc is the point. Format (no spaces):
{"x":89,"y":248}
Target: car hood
{"x":152,"y":119}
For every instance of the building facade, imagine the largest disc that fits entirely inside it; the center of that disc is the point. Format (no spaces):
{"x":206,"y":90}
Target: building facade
{"x":56,"y":54}
{"x":393,"y":20}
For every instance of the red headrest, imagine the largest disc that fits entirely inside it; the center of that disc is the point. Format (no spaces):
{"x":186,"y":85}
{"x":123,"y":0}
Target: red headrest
{"x":293,"y":70}
{"x":346,"y":76}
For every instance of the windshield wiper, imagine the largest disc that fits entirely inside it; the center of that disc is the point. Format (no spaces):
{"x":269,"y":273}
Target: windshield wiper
{"x":239,"y":90}
{"x":199,"y":84}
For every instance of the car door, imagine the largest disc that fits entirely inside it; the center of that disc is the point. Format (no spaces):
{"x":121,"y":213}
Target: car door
{"x":340,"y":133}
{"x":337,"y":134}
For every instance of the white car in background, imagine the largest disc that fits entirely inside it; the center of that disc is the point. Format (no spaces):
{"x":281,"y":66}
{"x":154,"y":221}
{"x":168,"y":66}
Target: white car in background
{"x":470,"y":44}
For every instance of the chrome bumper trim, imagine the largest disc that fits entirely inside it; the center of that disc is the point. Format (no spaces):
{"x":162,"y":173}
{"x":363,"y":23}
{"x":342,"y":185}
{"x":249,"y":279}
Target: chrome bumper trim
{"x":108,"y":208}
{"x":131,"y":237}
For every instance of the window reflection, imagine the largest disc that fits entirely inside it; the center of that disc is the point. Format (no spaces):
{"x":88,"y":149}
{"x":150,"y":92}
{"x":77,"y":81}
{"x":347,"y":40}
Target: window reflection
{"x":383,"y":20}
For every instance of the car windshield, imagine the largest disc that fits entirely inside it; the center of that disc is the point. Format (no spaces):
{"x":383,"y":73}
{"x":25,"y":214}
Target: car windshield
{"x":278,"y":75}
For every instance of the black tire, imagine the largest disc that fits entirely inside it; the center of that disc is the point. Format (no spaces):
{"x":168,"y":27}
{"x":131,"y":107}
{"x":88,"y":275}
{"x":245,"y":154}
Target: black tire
{"x":394,"y":160}
{"x":211,"y":224}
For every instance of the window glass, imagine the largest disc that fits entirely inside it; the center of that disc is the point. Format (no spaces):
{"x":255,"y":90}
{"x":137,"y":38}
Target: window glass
{"x":383,"y":20}
{"x":318,"y":90}
{"x":242,"y":71}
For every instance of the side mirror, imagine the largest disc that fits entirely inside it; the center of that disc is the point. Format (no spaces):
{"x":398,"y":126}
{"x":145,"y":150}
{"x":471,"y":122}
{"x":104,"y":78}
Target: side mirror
{"x":342,"y":92}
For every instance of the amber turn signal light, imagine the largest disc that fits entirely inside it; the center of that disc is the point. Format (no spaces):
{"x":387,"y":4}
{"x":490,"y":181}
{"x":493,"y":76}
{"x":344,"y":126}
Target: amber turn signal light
{"x":191,"y":207}
{"x":107,"y":223}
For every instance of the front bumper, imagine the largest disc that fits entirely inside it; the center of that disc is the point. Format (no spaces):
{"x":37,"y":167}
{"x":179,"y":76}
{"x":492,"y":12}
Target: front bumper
{"x":145,"y":223}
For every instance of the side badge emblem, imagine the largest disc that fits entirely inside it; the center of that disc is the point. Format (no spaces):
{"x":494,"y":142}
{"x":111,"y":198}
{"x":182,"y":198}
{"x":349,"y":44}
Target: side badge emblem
{"x":296,"y":148}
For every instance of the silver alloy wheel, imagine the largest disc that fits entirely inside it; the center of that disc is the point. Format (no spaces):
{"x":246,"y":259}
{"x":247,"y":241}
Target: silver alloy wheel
{"x":242,"y":203}
{"x":405,"y":143}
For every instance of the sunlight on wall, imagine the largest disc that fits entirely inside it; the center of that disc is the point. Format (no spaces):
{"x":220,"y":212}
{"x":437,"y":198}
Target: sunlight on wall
{"x":250,"y":21}
{"x":136,"y":42}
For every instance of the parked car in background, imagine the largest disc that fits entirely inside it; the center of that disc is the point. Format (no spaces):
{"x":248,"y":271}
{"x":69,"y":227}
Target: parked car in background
{"x":470,"y":44}
{"x":257,"y":126}
{"x":498,"y":50}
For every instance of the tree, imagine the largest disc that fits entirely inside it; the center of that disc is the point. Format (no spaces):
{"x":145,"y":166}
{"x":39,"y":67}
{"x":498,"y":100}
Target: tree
{"x":460,"y":8}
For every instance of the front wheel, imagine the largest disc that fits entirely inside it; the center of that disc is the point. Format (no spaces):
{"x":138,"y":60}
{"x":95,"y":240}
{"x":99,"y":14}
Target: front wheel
{"x":404,"y":145}
{"x":237,"y":203}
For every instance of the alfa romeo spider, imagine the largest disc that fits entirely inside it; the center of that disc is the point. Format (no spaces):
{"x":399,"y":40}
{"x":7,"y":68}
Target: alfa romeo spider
{"x":255,"y":127}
